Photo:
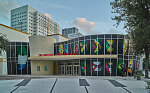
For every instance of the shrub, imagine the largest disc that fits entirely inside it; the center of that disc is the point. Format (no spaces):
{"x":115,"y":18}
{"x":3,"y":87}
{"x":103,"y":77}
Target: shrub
{"x":137,"y":74}
{"x":148,"y":84}
{"x":138,"y":77}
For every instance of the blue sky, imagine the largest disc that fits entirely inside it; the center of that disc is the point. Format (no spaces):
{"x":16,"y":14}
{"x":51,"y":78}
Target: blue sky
{"x":89,"y":16}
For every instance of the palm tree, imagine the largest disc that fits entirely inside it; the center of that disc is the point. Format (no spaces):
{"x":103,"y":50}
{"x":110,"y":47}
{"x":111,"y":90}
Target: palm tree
{"x":3,"y":43}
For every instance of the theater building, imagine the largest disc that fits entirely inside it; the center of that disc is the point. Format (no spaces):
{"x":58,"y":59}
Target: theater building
{"x":92,"y":55}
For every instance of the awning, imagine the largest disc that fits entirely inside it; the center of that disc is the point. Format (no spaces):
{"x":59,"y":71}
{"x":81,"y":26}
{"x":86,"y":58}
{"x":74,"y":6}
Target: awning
{"x":68,"y":57}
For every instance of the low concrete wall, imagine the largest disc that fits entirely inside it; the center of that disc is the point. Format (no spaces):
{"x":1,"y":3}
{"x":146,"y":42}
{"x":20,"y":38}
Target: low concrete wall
{"x":42,"y":65}
{"x":41,"y":45}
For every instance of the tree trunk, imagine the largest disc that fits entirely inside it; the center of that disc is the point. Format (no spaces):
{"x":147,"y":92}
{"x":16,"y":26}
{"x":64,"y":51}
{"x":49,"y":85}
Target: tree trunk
{"x":147,"y":62}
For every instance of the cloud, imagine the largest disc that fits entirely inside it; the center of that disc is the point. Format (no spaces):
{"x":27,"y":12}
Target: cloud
{"x":48,"y":15}
{"x":58,"y":6}
{"x":108,"y":28}
{"x":86,"y":26}
{"x":5,"y":7}
{"x":115,"y":31}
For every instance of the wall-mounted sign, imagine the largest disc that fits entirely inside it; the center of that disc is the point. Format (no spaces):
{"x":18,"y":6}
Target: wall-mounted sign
{"x":58,"y":54}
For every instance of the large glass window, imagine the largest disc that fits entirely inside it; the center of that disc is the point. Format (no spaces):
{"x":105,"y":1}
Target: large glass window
{"x":55,"y":51}
{"x":120,"y":46}
{"x":38,"y":68}
{"x":45,"y":68}
{"x":9,"y":67}
{"x":72,"y":46}
{"x":13,"y":51}
{"x":101,"y":67}
{"x":88,"y":67}
{"x":101,"y":47}
{"x":87,"y":47}
{"x":95,"y":65}
{"x":107,"y":35}
{"x":66,"y":48}
{"x":114,"y":46}
{"x":8,"y":51}
{"x":113,"y":67}
{"x":114,"y":35}
{"x":94,"y":46}
{"x":87,"y":37}
{"x":83,"y":67}
{"x":82,"y":47}
{"x":69,"y":48}
{"x":76,"y":48}
{"x":14,"y":68}
{"x":108,"y":65}
{"x":18,"y":60}
{"x":110,"y":47}
{"x":93,"y":36}
{"x":100,"y":36}
{"x":61,"y":49}
{"x":125,"y":46}
{"x":121,"y":64}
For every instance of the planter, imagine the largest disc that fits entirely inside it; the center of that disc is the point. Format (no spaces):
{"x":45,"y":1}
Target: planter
{"x":138,"y":77}
{"x":134,"y":75}
{"x":148,"y":84}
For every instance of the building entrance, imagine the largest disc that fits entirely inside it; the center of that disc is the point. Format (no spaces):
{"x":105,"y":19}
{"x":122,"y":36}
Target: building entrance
{"x":76,"y":70}
{"x":68,"y":69}
{"x":61,"y":69}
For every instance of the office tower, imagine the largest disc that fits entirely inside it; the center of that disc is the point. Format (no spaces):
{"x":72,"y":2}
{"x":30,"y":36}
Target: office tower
{"x":29,"y":20}
{"x":71,"y":32}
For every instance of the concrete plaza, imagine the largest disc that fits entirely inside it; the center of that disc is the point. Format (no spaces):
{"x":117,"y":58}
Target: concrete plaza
{"x":73,"y":84}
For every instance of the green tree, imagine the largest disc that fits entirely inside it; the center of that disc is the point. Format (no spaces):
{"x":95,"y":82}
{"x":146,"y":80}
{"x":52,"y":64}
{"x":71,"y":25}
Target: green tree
{"x":3,"y":43}
{"x":135,"y":14}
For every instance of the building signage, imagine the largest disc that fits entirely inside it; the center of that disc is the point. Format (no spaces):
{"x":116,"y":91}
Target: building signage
{"x":58,"y":54}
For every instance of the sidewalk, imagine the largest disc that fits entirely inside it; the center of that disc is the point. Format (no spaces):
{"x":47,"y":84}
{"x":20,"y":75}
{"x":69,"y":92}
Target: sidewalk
{"x":71,"y":84}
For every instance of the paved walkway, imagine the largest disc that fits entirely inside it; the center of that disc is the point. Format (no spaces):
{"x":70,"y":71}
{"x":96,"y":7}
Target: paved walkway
{"x":74,"y":84}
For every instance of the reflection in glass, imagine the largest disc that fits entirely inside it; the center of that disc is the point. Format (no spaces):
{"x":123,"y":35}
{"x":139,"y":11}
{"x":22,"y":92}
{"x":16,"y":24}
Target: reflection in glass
{"x":108,"y":67}
{"x":82,"y":47}
{"x":82,"y":67}
{"x":61,"y":50}
{"x":76,"y":48}
{"x":88,"y":67}
{"x":110,"y":46}
{"x":101,"y":67}
{"x":95,"y":69}
{"x":96,"y":46}
{"x":66,"y":48}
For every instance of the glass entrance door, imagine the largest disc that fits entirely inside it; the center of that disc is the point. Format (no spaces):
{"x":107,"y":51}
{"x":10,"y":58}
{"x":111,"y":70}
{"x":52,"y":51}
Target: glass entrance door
{"x":75,"y":69}
{"x":61,"y":69}
{"x":69,"y":70}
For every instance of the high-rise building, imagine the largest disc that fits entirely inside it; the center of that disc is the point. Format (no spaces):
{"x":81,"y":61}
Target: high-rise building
{"x":74,"y":35}
{"x":29,"y":20}
{"x":71,"y":32}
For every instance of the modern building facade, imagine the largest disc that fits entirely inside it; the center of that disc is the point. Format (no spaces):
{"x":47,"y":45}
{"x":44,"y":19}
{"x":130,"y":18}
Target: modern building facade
{"x":15,"y":61}
{"x":93,"y":55}
{"x":29,"y":20}
{"x":71,"y":33}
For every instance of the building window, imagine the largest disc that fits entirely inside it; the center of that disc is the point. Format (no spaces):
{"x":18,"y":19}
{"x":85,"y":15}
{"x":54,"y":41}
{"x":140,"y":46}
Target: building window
{"x":45,"y":68}
{"x":38,"y":68}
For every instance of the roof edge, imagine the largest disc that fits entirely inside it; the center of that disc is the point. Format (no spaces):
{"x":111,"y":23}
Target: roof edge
{"x":15,"y":29}
{"x":58,"y":34}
